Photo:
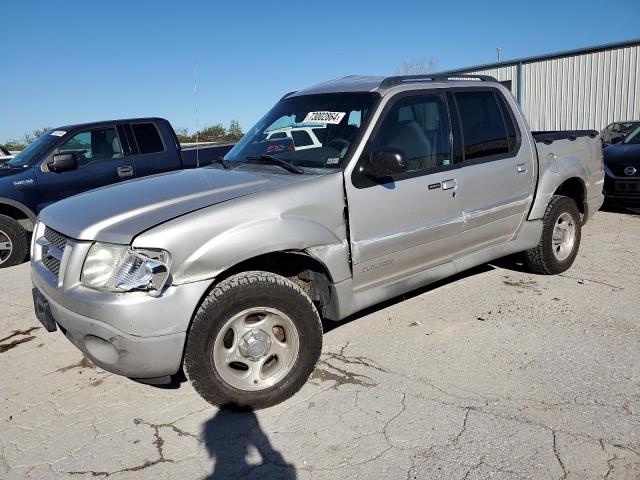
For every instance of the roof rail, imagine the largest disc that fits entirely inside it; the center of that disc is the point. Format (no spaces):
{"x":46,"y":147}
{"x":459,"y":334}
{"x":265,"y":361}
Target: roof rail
{"x":392,"y":81}
{"x":287,"y":94}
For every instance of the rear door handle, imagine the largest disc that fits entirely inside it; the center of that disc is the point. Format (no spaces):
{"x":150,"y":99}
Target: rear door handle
{"x":125,"y":171}
{"x":449,"y":184}
{"x":522,"y":168}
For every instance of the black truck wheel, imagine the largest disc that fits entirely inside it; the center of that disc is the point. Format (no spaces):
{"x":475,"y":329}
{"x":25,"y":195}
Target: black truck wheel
{"x":560,"y":240}
{"x":13,"y":242}
{"x":254,"y":341}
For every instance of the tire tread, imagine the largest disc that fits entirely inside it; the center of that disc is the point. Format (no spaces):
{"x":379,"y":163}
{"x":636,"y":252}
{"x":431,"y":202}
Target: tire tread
{"x":196,"y":342}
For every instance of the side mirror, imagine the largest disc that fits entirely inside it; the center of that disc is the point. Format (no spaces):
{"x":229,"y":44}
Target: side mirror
{"x":385,"y":162}
{"x":615,"y":140}
{"x":63,"y":162}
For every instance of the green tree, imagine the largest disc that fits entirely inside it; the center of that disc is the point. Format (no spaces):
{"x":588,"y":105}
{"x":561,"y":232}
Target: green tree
{"x":234,"y":133}
{"x":183,"y":135}
{"x":213,"y":133}
{"x":13,"y":144}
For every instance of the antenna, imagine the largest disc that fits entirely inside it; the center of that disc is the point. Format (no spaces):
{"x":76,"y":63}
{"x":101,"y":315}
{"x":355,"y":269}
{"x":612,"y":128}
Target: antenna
{"x":195,"y":94}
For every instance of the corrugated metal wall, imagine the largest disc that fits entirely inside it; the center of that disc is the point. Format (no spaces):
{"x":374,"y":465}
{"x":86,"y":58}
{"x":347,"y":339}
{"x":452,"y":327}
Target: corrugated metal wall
{"x":586,"y":91}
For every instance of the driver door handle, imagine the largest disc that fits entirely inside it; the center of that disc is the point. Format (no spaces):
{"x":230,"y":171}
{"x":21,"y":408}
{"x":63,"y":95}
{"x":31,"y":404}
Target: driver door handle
{"x":126,"y":171}
{"x":449,"y":184}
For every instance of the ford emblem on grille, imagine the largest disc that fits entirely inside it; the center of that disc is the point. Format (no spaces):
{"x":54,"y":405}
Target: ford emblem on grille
{"x":630,"y":171}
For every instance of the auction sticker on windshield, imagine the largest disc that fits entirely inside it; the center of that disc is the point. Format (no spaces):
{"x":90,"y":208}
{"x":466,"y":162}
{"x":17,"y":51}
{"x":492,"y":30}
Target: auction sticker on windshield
{"x":59,"y":133}
{"x":324,"y":117}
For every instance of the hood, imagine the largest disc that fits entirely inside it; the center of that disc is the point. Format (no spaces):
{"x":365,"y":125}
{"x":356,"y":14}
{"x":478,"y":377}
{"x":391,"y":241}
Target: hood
{"x":621,"y":153}
{"x":118,"y":213}
{"x":9,"y":172}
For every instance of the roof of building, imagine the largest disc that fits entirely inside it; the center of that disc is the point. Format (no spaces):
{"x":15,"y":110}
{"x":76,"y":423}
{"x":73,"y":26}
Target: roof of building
{"x":549,"y":56}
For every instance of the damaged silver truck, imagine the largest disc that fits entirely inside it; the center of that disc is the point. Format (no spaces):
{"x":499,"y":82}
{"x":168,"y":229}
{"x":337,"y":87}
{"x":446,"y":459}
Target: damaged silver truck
{"x":225,"y":272}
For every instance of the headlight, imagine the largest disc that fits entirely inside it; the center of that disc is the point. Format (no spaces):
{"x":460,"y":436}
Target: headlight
{"x":118,"y":268}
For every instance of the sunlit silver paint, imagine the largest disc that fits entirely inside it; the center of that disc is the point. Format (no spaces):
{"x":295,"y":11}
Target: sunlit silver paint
{"x":394,"y":238}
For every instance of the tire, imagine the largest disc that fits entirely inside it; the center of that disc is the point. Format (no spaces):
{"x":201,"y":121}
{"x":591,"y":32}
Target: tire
{"x":13,"y":235}
{"x":221,"y":381}
{"x":550,"y":258}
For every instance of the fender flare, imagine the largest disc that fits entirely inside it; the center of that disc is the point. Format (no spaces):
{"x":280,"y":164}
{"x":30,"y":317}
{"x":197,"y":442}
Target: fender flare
{"x":550,"y":180}
{"x":23,"y":208}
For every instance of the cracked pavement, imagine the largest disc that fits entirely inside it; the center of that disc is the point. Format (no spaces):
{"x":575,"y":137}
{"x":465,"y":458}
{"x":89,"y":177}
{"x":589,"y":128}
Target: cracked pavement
{"x":497,"y":373}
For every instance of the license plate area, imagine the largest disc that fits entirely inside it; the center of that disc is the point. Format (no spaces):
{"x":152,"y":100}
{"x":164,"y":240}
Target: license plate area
{"x":629,"y":187}
{"x":43,"y":311}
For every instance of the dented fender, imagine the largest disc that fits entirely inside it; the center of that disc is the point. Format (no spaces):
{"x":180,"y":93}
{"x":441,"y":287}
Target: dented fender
{"x":305,"y":216}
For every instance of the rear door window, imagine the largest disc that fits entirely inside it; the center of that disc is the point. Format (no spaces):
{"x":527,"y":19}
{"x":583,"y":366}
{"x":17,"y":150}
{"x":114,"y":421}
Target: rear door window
{"x":483,"y":128}
{"x":512,"y":129}
{"x":147,"y":137}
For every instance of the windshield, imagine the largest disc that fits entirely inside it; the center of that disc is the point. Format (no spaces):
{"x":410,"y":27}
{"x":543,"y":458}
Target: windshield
{"x":314,"y":132}
{"x":31,"y":154}
{"x":628,"y":126}
{"x":633,"y":138}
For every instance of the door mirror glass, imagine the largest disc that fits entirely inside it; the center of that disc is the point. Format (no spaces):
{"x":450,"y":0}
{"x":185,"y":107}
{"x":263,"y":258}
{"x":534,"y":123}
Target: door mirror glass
{"x":385,"y":162}
{"x":615,"y":140}
{"x":63,"y":162}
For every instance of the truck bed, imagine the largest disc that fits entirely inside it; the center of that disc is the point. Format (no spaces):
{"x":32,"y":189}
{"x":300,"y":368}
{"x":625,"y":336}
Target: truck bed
{"x":564,"y":155}
{"x":202,"y":155}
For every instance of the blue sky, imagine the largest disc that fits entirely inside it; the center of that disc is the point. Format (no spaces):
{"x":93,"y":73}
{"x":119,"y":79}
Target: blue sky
{"x":66,"y":62}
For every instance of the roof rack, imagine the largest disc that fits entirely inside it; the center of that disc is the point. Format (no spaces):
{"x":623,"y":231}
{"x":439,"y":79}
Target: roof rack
{"x":392,"y":81}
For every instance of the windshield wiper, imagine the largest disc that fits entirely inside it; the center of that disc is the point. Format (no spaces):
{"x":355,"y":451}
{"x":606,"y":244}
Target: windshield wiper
{"x":276,"y":161}
{"x":221,"y":161}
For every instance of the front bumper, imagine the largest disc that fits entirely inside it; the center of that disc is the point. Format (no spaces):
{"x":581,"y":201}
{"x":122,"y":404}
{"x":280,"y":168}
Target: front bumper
{"x":119,"y":352}
{"x":131,"y":334}
{"x":621,"y":190}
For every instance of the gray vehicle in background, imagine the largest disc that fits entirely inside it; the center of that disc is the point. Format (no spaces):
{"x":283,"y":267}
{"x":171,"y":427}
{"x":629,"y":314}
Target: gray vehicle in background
{"x":227,"y":270}
{"x":617,"y":131}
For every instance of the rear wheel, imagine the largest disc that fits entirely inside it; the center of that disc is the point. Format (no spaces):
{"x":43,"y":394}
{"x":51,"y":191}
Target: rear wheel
{"x":13,"y":242}
{"x":254,"y":341}
{"x":560,"y":240}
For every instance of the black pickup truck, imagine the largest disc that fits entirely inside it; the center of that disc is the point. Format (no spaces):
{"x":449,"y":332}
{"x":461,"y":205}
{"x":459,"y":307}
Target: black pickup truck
{"x":73,"y":159}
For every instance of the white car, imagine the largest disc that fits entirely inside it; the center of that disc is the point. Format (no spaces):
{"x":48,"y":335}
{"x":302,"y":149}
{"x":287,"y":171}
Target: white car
{"x":302,"y":137}
{"x":5,"y":155}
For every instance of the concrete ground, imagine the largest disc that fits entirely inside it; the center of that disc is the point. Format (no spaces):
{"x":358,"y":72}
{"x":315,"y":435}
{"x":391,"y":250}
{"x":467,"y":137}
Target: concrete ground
{"x":497,"y":373}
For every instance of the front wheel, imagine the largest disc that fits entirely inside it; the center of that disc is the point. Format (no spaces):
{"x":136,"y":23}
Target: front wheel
{"x":253,"y":342}
{"x":560,"y":240}
{"x":13,"y":242}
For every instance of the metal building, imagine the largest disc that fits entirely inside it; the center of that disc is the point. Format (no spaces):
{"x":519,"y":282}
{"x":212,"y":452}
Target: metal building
{"x":587,"y":88}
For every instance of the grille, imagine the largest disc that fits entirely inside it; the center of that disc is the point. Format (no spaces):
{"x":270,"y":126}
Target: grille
{"x":618,"y":170}
{"x":52,"y":264}
{"x":58,"y":239}
{"x":60,"y":242}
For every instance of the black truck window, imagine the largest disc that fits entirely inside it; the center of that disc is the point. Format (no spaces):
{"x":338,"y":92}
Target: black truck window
{"x":483,"y":129}
{"x":147,"y":138}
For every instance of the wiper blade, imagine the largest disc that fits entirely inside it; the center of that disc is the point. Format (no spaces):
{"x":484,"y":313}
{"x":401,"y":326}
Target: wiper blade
{"x":276,"y":161}
{"x":221,"y":161}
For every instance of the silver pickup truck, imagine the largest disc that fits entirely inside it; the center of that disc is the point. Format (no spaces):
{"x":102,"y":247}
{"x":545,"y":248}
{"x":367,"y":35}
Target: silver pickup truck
{"x":225,"y":272}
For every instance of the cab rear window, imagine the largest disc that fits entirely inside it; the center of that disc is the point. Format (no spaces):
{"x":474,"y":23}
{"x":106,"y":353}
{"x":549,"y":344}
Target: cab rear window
{"x":147,"y":137}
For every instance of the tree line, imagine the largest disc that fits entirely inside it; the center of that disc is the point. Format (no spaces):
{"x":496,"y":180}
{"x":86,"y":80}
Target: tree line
{"x":213,"y":133}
